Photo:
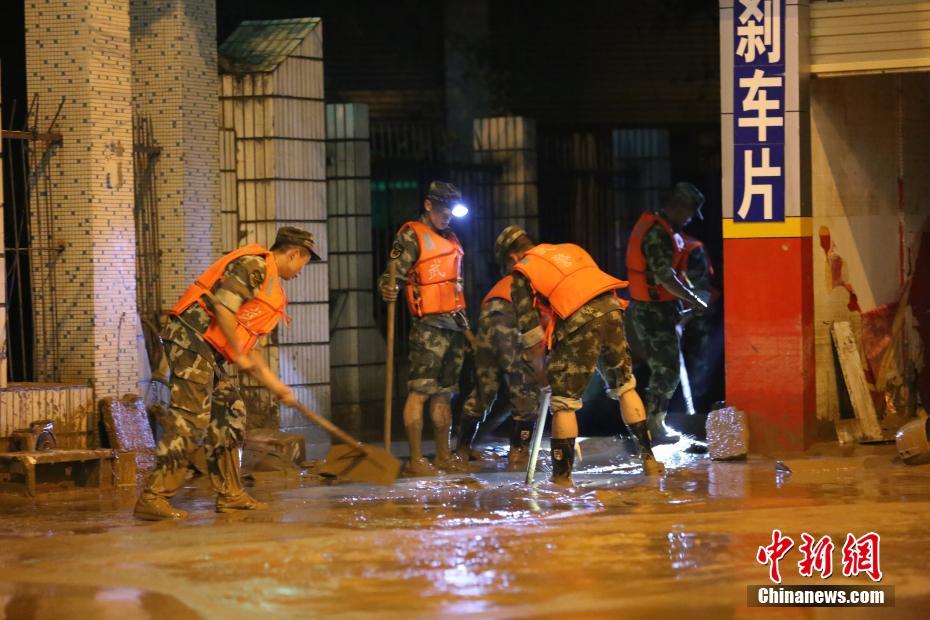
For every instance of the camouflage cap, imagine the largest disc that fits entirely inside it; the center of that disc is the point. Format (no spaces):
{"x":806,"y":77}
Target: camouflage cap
{"x":291,"y":235}
{"x":689,"y":195}
{"x":443,"y":192}
{"x":505,"y":240}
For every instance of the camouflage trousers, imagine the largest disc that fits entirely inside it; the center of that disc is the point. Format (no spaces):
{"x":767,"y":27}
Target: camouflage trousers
{"x":206,"y":409}
{"x":654,"y":341}
{"x":598,"y":346}
{"x":436,"y":358}
{"x":497,"y":361}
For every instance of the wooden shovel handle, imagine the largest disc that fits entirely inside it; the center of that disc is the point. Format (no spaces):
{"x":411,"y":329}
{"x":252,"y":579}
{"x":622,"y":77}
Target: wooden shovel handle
{"x":389,"y":367}
{"x":331,"y":428}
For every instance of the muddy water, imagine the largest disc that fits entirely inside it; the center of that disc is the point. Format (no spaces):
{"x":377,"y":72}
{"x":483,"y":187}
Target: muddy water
{"x":481,"y":544}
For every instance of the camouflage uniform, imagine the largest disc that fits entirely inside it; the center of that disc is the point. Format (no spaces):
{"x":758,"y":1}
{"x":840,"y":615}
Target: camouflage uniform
{"x":206,"y":405}
{"x":651,"y":326}
{"x":701,"y":350}
{"x":497,"y":346}
{"x":437,"y":341}
{"x":590,"y":339}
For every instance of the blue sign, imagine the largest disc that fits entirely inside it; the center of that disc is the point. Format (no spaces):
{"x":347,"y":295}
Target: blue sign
{"x":759,"y":111}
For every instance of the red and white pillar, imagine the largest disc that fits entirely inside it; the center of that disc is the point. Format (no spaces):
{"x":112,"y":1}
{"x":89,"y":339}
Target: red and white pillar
{"x":767,"y":237}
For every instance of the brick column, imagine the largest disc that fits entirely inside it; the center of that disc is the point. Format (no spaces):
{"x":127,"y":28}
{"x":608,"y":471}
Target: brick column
{"x":357,"y":349}
{"x":175,"y":86}
{"x":769,"y":333}
{"x":81,"y":51}
{"x":272,"y":99}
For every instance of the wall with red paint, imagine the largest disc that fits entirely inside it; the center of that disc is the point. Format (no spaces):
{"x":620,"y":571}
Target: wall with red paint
{"x":865,"y":130}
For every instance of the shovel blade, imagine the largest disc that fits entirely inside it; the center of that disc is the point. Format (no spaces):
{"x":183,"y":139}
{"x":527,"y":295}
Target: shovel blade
{"x":375,"y":465}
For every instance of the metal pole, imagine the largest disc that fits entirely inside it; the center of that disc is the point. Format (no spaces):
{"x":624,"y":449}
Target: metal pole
{"x":544,"y":397}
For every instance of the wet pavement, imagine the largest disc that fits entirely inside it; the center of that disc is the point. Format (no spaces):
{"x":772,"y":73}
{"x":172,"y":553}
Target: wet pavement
{"x":483,"y":544}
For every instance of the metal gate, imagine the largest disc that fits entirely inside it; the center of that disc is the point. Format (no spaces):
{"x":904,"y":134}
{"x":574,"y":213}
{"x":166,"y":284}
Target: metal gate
{"x":31,"y":251}
{"x":29,"y":247}
{"x":594,"y":184}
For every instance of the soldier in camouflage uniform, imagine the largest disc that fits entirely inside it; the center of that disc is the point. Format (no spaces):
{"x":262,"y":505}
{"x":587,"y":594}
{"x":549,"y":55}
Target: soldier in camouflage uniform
{"x":206,"y":405}
{"x":438,"y":333}
{"x":701,"y":343}
{"x":660,"y":292}
{"x":498,"y":359}
{"x":587,"y":340}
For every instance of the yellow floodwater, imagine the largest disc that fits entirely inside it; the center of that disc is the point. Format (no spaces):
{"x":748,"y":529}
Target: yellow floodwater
{"x":485,"y":545}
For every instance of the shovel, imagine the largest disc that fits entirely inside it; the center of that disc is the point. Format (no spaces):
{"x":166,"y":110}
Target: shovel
{"x":536,"y":441}
{"x":389,"y":366}
{"x":353,"y":460}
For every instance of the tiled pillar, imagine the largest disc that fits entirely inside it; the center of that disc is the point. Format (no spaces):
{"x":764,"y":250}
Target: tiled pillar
{"x":175,"y":85}
{"x":767,"y":251}
{"x":229,"y":212}
{"x":278,"y":116}
{"x":81,"y":51}
{"x":357,"y":349}
{"x":510,"y":142}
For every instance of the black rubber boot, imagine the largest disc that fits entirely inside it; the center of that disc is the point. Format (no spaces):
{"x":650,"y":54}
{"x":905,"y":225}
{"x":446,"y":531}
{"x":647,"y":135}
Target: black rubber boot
{"x":651,"y":467}
{"x":563,"y":458}
{"x":519,"y":454}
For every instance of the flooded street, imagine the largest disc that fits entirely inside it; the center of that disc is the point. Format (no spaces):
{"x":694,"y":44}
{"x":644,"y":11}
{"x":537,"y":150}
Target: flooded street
{"x":485,"y":545}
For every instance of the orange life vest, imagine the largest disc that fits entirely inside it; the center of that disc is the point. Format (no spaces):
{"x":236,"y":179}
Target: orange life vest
{"x":434,"y":281}
{"x":640,"y":288}
{"x":256,"y":317}
{"x":691,"y":244}
{"x":501,"y":290}
{"x":566,"y":276}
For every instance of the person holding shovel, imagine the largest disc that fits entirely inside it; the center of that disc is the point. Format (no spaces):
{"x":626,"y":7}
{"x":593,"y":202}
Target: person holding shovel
{"x":498,"y":359}
{"x":586,"y":334}
{"x":213,"y":328}
{"x":661,"y":291}
{"x":427,"y":260}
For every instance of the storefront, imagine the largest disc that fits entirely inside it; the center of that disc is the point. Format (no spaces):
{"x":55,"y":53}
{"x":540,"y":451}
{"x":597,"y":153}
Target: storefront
{"x":826,"y":194}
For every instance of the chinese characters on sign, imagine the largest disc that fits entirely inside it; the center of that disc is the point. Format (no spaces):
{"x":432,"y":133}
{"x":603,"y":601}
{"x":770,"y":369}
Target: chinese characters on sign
{"x":759,"y":111}
{"x":860,"y":555}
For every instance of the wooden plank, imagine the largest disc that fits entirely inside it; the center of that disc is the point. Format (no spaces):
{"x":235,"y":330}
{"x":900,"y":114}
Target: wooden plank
{"x":58,"y":456}
{"x":847,"y":430}
{"x":854,"y":376}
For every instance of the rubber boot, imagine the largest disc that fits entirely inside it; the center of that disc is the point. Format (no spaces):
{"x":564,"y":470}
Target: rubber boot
{"x":160,"y":486}
{"x":224,"y":474}
{"x":519,"y":455}
{"x":660,"y":433}
{"x":152,"y":507}
{"x":651,"y":467}
{"x":417,"y":466}
{"x":563,"y":458}
{"x":242,"y":501}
